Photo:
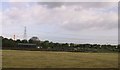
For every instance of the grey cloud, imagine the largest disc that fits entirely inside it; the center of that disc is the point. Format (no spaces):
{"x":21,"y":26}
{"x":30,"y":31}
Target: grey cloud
{"x":106,"y":24}
{"x":83,"y":4}
{"x":51,"y":4}
{"x":76,"y":22}
{"x":100,"y":26}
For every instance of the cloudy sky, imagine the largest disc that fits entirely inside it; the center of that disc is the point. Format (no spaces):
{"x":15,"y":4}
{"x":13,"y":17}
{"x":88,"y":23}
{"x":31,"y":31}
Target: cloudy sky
{"x":76,"y":22}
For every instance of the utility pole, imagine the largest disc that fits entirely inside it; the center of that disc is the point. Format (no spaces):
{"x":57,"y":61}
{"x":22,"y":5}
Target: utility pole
{"x":25,"y":34}
{"x":14,"y":37}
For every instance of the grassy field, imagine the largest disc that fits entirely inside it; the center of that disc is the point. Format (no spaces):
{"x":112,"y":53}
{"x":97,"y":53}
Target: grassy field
{"x":47,"y":59}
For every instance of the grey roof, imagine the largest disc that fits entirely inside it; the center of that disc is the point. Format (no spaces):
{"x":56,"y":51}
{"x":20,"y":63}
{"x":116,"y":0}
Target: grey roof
{"x":25,"y":44}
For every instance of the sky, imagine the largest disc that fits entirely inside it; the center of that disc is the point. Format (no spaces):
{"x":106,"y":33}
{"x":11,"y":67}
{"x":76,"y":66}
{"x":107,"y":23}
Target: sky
{"x":71,"y":22}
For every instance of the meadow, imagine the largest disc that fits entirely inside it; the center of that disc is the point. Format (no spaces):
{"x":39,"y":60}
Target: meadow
{"x":50,"y":59}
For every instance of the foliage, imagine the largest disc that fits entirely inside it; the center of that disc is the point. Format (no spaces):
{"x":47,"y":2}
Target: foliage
{"x":46,"y":45}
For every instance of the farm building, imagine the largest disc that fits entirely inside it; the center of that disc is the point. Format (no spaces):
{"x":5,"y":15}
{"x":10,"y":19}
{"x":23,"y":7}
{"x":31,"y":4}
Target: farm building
{"x":26,"y":45}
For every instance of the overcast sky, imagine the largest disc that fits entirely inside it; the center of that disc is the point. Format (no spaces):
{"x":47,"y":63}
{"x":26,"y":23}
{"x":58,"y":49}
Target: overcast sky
{"x":76,"y":22}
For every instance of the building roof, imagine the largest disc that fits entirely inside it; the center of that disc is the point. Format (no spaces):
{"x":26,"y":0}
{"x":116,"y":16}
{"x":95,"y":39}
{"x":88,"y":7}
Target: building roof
{"x":25,"y":44}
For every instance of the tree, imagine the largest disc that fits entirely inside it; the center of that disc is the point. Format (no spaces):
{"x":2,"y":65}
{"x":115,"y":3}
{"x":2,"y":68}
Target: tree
{"x":18,"y":41}
{"x":45,"y":44}
{"x":24,"y":41}
{"x":65,"y":45}
{"x":8,"y":43}
{"x":71,"y":44}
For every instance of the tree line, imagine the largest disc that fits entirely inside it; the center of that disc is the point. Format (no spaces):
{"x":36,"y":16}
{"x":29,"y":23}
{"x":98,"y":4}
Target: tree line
{"x":50,"y":46}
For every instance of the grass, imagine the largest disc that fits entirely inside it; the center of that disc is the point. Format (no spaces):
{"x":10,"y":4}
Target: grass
{"x":48,"y":59}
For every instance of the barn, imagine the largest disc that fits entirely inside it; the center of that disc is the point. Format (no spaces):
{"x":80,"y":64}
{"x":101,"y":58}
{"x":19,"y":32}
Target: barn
{"x":26,"y":45}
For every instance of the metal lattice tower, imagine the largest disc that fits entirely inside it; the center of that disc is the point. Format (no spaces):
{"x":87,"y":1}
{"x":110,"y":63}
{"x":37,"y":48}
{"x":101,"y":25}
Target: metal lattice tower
{"x":25,"y":34}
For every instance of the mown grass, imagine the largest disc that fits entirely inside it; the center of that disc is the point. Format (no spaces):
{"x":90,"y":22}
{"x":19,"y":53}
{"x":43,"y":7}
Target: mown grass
{"x":48,"y":59}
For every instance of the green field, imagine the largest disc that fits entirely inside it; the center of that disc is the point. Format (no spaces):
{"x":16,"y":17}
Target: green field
{"x":48,"y":59}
